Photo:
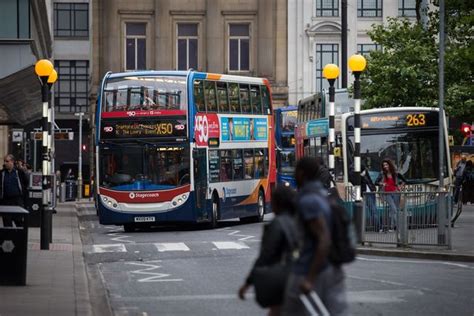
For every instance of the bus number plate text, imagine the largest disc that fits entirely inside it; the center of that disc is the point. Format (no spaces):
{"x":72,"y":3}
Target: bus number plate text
{"x":143,"y":219}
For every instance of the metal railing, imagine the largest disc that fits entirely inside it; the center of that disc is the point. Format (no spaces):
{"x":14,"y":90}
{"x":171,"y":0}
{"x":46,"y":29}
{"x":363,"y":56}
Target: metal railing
{"x":418,"y":216}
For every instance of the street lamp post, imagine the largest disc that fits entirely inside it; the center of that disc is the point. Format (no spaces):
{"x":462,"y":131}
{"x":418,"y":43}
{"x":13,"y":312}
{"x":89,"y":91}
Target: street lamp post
{"x":331,"y":72}
{"x":79,"y":167}
{"x":357,"y":64}
{"x":44,"y":69}
{"x":51,"y":142}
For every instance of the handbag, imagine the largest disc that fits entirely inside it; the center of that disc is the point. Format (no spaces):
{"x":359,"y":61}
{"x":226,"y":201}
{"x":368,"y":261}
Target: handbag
{"x":270,"y":281}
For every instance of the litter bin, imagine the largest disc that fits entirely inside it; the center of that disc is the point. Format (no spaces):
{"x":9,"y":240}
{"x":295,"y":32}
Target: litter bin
{"x":13,"y":245}
{"x":71,"y":190}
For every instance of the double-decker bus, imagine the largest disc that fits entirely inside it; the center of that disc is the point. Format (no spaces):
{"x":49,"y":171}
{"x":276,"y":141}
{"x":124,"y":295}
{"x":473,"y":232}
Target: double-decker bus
{"x":174,"y":146}
{"x":285,"y":122}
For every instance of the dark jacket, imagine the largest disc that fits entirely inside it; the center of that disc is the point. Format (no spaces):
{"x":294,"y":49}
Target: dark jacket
{"x":365,"y":180}
{"x":276,"y":244}
{"x":324,"y":176}
{"x":22,"y":180}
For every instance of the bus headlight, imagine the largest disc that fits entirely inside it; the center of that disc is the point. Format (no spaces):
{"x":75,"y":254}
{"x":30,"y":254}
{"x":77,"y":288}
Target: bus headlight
{"x":110,"y":202}
{"x":178,"y":200}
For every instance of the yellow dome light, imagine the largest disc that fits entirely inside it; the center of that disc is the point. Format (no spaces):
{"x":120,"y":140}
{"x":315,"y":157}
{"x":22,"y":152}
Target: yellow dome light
{"x":331,"y":71}
{"x":53,"y":76}
{"x":43,"y":68}
{"x":357,"y":63}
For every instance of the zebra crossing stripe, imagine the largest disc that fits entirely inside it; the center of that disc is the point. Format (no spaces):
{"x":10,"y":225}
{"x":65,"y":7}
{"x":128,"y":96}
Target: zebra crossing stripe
{"x":170,"y":246}
{"x":222,"y":245}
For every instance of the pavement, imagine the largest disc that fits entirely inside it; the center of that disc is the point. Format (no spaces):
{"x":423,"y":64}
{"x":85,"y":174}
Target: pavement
{"x":57,"y":282}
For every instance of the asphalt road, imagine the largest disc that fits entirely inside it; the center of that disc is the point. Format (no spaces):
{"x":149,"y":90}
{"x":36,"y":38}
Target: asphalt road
{"x":195,"y":271}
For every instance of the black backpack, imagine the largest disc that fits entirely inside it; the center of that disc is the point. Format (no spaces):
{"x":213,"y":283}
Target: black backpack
{"x":343,"y":248}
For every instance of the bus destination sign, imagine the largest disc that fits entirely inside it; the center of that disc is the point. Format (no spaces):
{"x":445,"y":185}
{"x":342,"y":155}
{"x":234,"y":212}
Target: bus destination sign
{"x":397,"y":119}
{"x":151,"y":128}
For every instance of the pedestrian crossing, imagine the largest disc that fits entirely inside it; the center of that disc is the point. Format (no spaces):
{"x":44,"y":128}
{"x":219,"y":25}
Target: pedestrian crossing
{"x":169,"y":247}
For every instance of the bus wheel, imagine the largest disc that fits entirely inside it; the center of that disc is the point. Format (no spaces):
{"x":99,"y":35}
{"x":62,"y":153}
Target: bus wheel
{"x":260,"y":206}
{"x":129,"y":228}
{"x":215,"y":211}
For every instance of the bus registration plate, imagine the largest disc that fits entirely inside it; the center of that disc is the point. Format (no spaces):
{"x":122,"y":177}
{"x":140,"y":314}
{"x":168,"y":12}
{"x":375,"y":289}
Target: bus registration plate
{"x":142,"y":219}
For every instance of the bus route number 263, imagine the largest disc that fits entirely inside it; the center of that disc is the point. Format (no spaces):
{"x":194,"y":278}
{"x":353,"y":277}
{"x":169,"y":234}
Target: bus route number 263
{"x":413,"y":120}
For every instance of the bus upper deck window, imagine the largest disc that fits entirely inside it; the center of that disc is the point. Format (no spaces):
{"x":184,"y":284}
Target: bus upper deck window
{"x":222,"y":97}
{"x":245,"y":99}
{"x":199,"y":95}
{"x":266,"y":100}
{"x":211,"y":97}
{"x":256,"y":99}
{"x":234,"y":98}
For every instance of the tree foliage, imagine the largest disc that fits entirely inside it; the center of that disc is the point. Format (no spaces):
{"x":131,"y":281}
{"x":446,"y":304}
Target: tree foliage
{"x":405,"y":71}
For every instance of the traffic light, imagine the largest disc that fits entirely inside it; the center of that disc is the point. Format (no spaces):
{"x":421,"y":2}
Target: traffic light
{"x":466,"y":129}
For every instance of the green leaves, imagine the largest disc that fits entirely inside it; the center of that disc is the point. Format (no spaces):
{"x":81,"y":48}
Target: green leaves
{"x":405,"y":72}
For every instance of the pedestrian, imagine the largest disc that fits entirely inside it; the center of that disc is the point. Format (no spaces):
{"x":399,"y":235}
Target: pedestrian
{"x":279,"y":243}
{"x":324,"y":175}
{"x":459,"y":176}
{"x":468,"y":184}
{"x":313,"y":271}
{"x":368,"y":190}
{"x":391,"y":183}
{"x":14,"y":184}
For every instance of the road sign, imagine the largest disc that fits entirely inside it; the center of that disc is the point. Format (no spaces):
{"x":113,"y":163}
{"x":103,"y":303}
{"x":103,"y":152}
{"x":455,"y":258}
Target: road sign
{"x":57,"y":135}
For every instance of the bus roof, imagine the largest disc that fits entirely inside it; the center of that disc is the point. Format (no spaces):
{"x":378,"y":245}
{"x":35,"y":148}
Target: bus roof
{"x":196,"y":74}
{"x":391,"y":109}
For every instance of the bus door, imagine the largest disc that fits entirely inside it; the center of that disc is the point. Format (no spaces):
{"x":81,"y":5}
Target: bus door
{"x":200,"y":182}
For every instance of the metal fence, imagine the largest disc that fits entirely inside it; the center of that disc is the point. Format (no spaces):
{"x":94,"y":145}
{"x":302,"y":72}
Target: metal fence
{"x":413,"y":217}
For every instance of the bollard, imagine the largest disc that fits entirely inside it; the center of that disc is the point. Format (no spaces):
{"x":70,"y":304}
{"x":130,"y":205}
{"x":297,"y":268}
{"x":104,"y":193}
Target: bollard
{"x":358,"y":220}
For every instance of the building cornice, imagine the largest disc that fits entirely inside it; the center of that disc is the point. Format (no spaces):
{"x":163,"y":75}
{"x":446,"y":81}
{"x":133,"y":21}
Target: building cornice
{"x":136,"y":12}
{"x":323,"y":28}
{"x":187,"y":12}
{"x":239,"y":12}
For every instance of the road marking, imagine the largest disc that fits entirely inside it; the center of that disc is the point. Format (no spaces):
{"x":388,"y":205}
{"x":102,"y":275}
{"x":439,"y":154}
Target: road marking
{"x":424,"y":262}
{"x":171,"y":246}
{"x":229,"y":245}
{"x":120,"y":238}
{"x":109,"y":248}
{"x":151,"y":276}
{"x":382,"y":296}
{"x":235,"y":233}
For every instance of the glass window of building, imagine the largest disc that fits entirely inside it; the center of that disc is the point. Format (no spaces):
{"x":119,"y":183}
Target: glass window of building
{"x":135,"y":46}
{"x":365,"y":49}
{"x":71,"y":89}
{"x":325,"y":54}
{"x":15,"y":17}
{"x":327,"y":7}
{"x":407,"y":8}
{"x":239,"y":47}
{"x":369,"y":8}
{"x":187,"y":46}
{"x":71,"y":19}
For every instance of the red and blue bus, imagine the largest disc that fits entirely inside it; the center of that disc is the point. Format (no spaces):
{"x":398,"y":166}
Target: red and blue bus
{"x":175,"y":146}
{"x":285,"y":122}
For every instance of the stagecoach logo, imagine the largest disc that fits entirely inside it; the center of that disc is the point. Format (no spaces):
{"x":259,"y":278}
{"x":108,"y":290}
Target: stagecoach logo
{"x":108,"y":129}
{"x":138,"y":195}
{"x":179,"y":127}
{"x":131,"y":113}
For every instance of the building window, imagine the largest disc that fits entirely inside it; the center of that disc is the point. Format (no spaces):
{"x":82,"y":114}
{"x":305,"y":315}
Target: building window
{"x":71,"y":19}
{"x":365,"y":49}
{"x":325,"y":54}
{"x":407,"y":8}
{"x":15,"y":17}
{"x":135,"y":46}
{"x":187,"y":46}
{"x":239,"y":47}
{"x":71,"y":89}
{"x":369,"y":8}
{"x":327,"y":8}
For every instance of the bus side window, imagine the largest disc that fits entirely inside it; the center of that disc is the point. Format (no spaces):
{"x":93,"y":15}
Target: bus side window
{"x":210,"y":92}
{"x":266,"y":100}
{"x":237,"y":165}
{"x":199,"y":95}
{"x":222,"y":97}
{"x":256,"y":99}
{"x":226,"y":166}
{"x":234,"y":98}
{"x":259,"y":164}
{"x":249,"y":164}
{"x":245,"y":99}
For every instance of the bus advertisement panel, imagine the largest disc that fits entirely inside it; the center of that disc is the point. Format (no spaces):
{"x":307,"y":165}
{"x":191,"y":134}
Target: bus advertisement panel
{"x":159,"y":136}
{"x":285,"y":123}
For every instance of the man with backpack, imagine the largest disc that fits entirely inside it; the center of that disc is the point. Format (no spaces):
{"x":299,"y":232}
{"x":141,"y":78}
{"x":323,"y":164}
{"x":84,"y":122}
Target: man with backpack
{"x":313,"y":270}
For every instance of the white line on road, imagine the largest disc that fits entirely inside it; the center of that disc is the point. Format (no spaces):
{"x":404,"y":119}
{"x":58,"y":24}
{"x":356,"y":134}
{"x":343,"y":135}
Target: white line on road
{"x":424,"y":262}
{"x":108,"y":248}
{"x":229,"y":245}
{"x":151,"y":276}
{"x":171,"y":246}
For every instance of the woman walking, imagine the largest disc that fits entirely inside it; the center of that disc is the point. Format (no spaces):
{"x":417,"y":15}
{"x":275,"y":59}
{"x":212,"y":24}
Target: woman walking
{"x":390,"y":182}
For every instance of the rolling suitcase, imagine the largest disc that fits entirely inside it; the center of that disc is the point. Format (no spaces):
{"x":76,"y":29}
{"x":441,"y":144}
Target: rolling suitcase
{"x":313,"y":304}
